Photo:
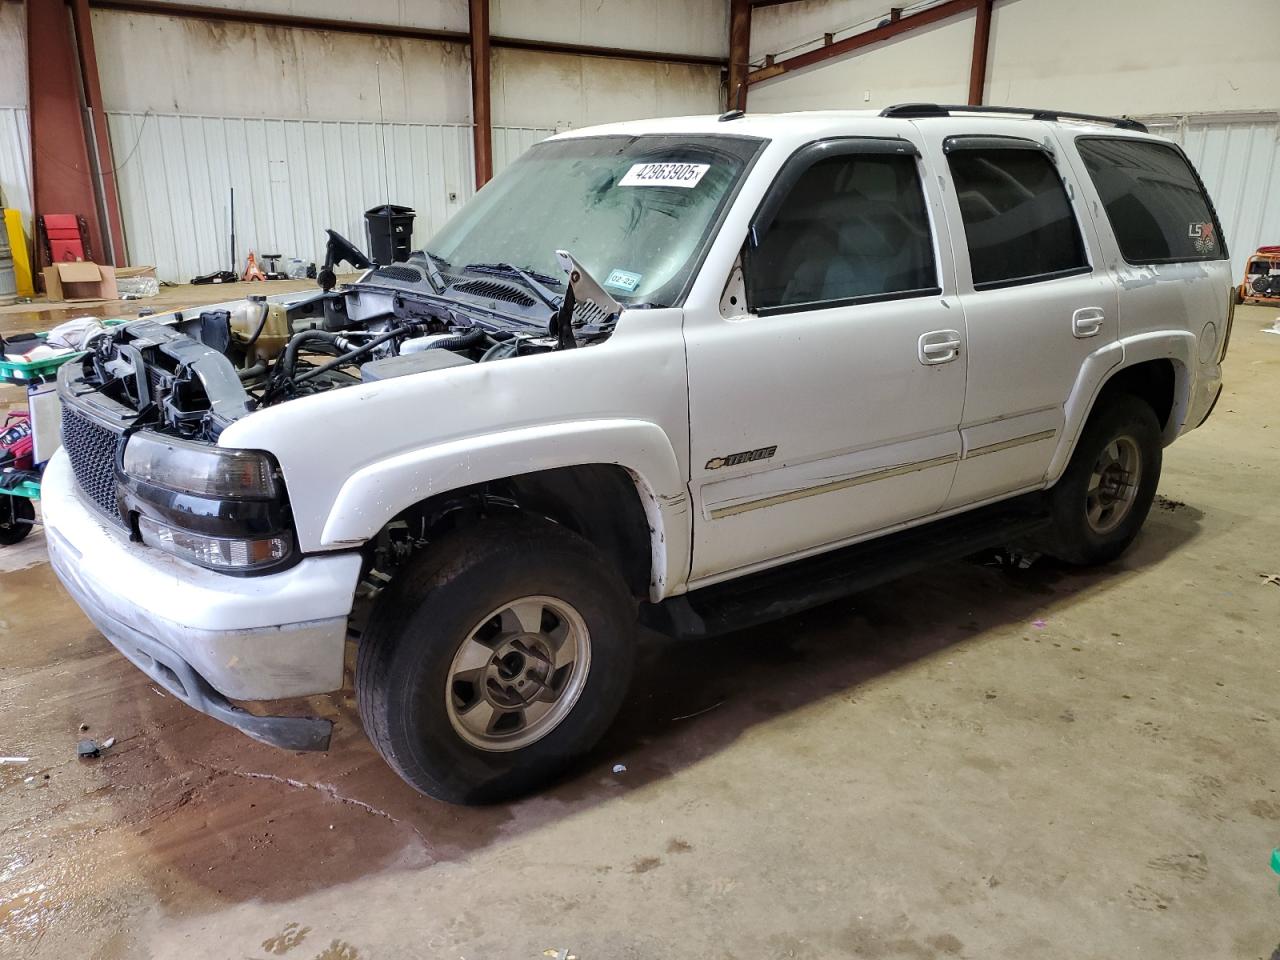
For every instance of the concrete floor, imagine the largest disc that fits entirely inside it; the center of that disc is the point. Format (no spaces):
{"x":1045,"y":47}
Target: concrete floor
{"x":966,"y":763}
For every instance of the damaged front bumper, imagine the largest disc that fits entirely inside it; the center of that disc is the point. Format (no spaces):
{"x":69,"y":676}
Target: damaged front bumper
{"x":206,"y":637}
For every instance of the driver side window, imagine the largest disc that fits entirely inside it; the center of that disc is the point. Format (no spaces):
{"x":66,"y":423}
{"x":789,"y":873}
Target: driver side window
{"x":850,"y":228}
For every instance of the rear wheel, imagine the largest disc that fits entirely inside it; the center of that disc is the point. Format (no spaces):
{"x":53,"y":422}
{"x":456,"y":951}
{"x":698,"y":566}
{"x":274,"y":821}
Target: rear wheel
{"x":17,"y":515}
{"x":497,"y":657}
{"x":1103,"y":497}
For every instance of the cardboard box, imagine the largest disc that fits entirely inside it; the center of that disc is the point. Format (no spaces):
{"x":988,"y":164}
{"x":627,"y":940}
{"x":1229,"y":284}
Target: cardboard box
{"x":123,"y":272}
{"x":79,"y":281}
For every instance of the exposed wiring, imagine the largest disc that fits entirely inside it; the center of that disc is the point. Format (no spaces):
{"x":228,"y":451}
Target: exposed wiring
{"x":115,"y":170}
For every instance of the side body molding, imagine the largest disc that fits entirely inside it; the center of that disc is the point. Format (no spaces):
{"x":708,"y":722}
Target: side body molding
{"x":374,"y":494}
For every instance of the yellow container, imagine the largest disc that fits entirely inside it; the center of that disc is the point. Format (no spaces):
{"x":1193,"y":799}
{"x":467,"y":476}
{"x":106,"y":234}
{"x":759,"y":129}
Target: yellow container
{"x":21,"y":252}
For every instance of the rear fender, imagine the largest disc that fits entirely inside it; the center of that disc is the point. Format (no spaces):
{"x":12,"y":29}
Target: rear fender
{"x":1177,"y":346}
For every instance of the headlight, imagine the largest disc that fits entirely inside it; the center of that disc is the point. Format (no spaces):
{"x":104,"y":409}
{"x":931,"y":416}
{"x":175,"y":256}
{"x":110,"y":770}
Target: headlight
{"x":198,"y":468}
{"x":217,"y":553}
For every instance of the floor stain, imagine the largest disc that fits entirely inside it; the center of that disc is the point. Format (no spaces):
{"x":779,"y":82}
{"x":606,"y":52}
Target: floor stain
{"x":1186,"y":866}
{"x":338,"y":950}
{"x":1266,"y":809}
{"x":291,"y":936}
{"x":1145,"y":898}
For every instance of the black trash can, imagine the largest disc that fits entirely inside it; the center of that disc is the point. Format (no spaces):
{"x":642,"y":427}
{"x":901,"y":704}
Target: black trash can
{"x":390,"y":231}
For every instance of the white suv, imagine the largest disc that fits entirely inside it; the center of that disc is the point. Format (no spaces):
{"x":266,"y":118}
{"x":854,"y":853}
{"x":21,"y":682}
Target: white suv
{"x":700,"y":372}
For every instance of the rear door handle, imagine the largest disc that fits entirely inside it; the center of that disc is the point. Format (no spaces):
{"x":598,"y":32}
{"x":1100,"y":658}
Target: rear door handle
{"x":1087,"y":322}
{"x":938,"y":346}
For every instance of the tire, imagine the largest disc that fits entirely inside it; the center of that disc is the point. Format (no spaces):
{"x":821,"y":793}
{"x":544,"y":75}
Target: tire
{"x":16,"y":519}
{"x":1098,"y":505}
{"x":424,"y":685}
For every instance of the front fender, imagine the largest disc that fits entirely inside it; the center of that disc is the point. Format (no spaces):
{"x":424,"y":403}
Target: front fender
{"x":376,"y":493}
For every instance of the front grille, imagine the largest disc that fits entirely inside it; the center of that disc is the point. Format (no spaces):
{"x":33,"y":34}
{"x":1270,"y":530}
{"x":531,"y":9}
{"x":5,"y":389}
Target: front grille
{"x":495,"y":290}
{"x":91,"y":448}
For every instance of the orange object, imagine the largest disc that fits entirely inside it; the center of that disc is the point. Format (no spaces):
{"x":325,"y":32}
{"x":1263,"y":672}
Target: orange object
{"x":251,"y":269}
{"x":1262,"y":277}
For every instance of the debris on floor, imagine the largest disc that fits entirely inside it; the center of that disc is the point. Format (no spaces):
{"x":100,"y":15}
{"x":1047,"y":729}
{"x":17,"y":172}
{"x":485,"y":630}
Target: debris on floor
{"x":4,"y":760}
{"x":619,"y":768}
{"x":1007,"y":558}
{"x":1271,"y":578}
{"x":91,"y":749}
{"x":698,"y":713}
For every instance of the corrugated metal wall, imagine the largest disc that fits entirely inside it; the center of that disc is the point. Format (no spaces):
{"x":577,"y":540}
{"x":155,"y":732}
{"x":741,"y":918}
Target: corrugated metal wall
{"x":1238,"y":157}
{"x":292,"y":179}
{"x":15,"y":160}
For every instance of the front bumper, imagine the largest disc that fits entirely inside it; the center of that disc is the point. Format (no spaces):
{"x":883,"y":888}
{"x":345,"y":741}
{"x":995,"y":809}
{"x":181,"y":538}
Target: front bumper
{"x":205,"y":636}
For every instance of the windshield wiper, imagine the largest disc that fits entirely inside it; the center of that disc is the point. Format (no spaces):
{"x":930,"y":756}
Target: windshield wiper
{"x":534,"y":281}
{"x":433,"y":272}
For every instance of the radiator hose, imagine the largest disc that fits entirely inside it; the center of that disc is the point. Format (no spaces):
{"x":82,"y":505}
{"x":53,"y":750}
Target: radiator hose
{"x":290,"y":359}
{"x":468,"y":338}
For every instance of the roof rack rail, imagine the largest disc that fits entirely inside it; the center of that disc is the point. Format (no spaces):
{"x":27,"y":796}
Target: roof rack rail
{"x":915,"y":110}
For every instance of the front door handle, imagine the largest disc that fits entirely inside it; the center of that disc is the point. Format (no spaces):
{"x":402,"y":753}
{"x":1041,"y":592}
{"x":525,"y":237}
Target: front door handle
{"x":1087,"y":322}
{"x":938,"y":346}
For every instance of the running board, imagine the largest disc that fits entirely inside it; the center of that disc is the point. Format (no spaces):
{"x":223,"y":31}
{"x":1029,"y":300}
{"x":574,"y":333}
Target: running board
{"x":803,"y":584}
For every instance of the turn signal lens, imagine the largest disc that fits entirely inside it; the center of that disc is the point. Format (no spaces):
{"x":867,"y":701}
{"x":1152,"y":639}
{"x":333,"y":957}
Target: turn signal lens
{"x":216,"y":553}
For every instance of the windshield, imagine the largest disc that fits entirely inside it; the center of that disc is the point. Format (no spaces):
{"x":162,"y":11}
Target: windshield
{"x":637,"y":212}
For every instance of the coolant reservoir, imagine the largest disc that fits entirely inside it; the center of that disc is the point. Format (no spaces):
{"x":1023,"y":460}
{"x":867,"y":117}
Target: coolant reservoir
{"x":245,"y":317}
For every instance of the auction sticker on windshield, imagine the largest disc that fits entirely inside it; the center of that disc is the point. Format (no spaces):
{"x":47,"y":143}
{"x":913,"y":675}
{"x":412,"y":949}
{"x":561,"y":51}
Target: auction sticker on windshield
{"x":623,"y":280}
{"x":664,"y":175}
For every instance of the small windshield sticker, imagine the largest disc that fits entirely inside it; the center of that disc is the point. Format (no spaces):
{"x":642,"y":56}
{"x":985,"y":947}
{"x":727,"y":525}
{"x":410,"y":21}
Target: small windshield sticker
{"x":664,"y":175}
{"x":623,"y":280}
{"x":1202,"y":236}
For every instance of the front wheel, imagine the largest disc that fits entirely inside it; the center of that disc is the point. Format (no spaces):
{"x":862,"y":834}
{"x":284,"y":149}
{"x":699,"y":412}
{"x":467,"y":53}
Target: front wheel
{"x":1103,"y":497}
{"x":17,"y":515}
{"x":497,"y":657}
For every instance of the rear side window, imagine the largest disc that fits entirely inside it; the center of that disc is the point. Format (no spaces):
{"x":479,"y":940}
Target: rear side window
{"x":1157,"y":207}
{"x":1018,"y":222}
{"x":851,"y":227}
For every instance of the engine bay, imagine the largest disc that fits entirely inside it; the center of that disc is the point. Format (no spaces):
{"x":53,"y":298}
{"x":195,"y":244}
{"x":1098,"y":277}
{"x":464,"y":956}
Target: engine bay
{"x":196,"y":371}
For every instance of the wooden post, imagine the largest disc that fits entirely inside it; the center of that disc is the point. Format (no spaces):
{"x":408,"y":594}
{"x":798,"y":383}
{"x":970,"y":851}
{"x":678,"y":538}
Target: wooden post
{"x":739,"y":53}
{"x":99,"y":139}
{"x":480,"y":102}
{"x":61,"y":173}
{"x":981,"y":43}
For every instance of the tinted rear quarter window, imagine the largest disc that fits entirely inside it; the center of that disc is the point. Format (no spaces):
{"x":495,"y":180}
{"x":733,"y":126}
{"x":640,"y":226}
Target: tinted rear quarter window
{"x":1157,"y":207}
{"x":1018,"y":222}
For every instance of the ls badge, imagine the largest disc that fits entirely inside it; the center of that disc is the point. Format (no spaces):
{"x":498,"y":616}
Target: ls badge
{"x":746,"y":456}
